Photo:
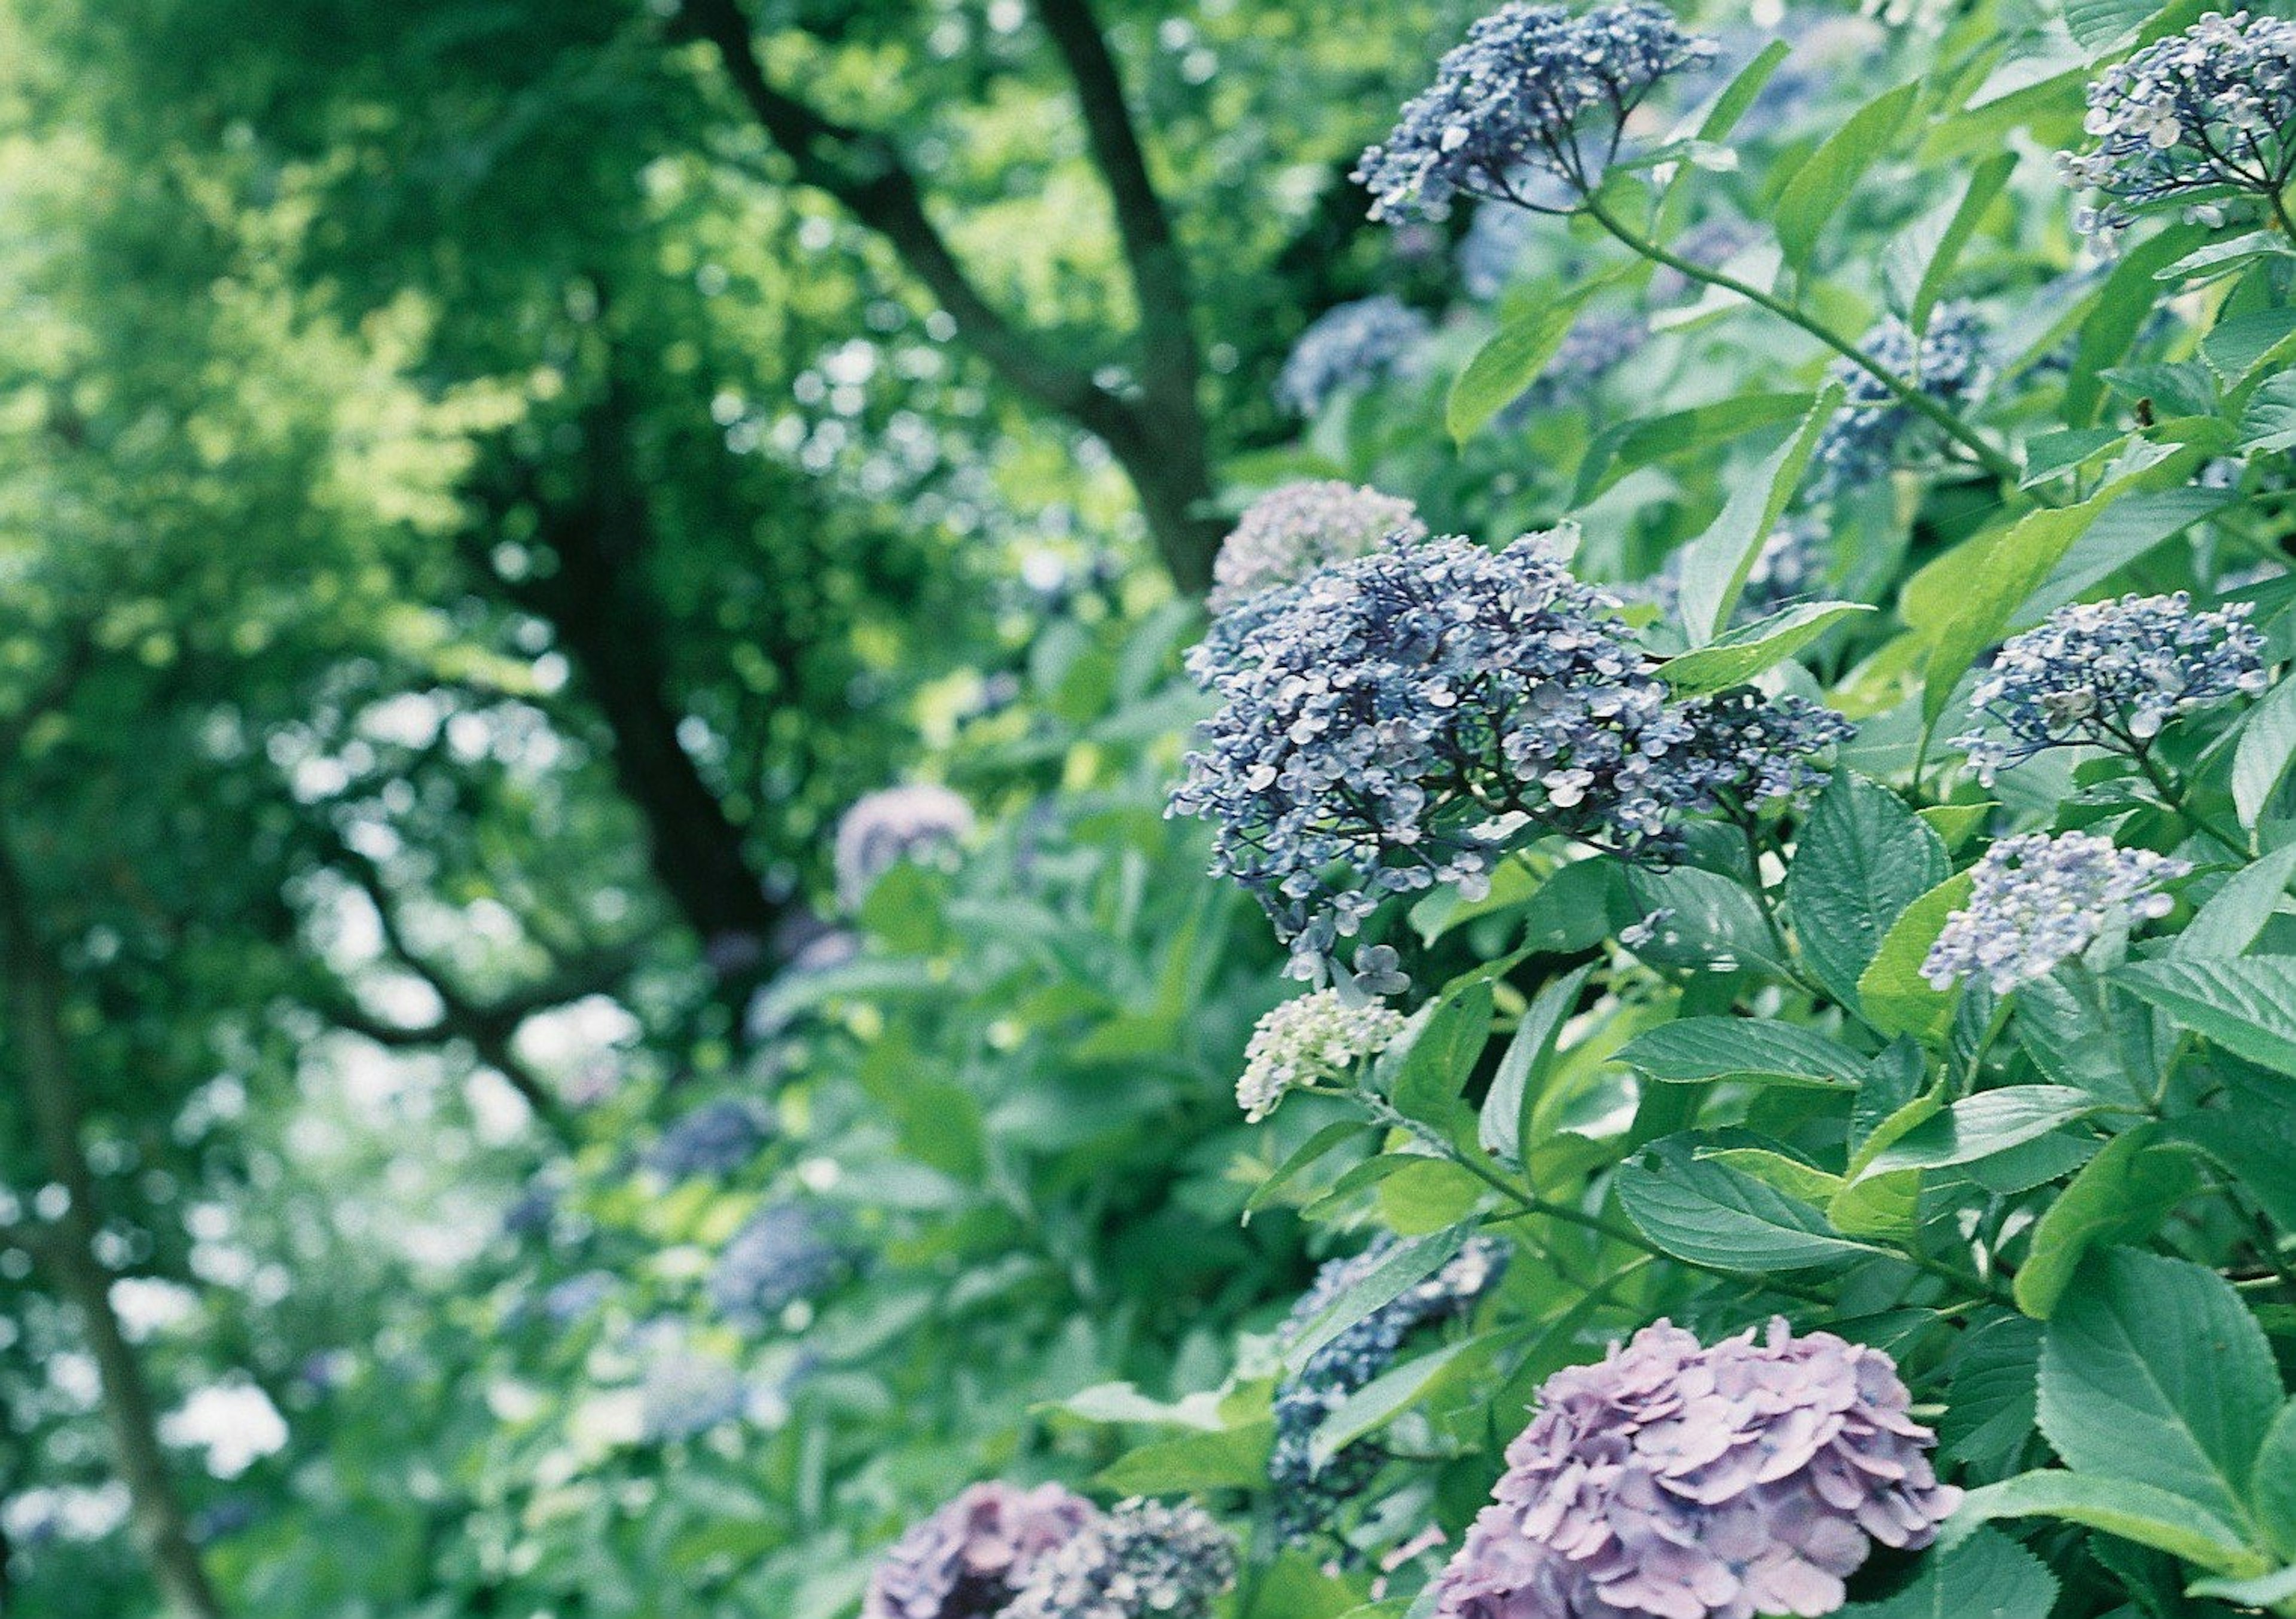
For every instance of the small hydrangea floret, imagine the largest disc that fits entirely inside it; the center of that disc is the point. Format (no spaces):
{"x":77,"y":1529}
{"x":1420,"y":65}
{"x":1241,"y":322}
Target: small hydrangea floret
{"x":1682,"y":1483}
{"x":1350,"y":346}
{"x":1143,"y":1559}
{"x":1291,"y":532}
{"x":2036,"y":902}
{"x":1306,"y":1496}
{"x":973,"y":1556}
{"x":919,"y":820}
{"x":1306,"y":1041}
{"x":1866,"y":437}
{"x":2195,"y":119}
{"x":2110,"y":674}
{"x":1534,"y":97}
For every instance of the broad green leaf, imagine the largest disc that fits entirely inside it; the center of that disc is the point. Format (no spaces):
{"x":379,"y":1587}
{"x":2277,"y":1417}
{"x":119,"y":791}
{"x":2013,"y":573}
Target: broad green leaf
{"x":1236,"y":1459}
{"x":2016,"y":563}
{"x":1576,"y":908}
{"x":1506,"y":1110}
{"x":1381,"y":1400}
{"x":2122,"y":1195}
{"x":1691,"y":1051}
{"x":1736,"y":657}
{"x":1885,"y":1091}
{"x":1443,"y":909}
{"x":2267,"y":742}
{"x":2126,"y":1507}
{"x":1715,"y":924}
{"x":2267,"y":422}
{"x":2126,"y":302}
{"x":1123,"y":1402}
{"x":2237,"y":346}
{"x":1954,"y":823}
{"x":1634,"y":444}
{"x":1511,"y":361}
{"x":1979,"y":1126}
{"x":2097,"y":26}
{"x":2128,"y":529}
{"x":1715,"y":565}
{"x":1741,"y":92}
{"x":1406,"y":1265}
{"x":2080,"y":1031}
{"x":2255,"y":1146}
{"x":2237,"y":912}
{"x":1896,"y":998}
{"x":2246,"y":1005}
{"x":1434,"y":1066}
{"x":1862,"y":859}
{"x":2265,"y":1590}
{"x":1710,"y":1214}
{"x":1987,"y":1576}
{"x":2216,"y":259}
{"x":1307,"y":1154}
{"x":2273,"y":1495}
{"x":1985,"y":183}
{"x":1992,"y":1393}
{"x":1826,"y":178}
{"x":2049,"y":455}
{"x":1791,"y":1176}
{"x":2152,"y":1369}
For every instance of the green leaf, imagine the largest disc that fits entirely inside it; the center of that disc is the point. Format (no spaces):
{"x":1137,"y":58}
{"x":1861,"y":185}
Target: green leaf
{"x":1732,"y":104}
{"x":1510,"y":361}
{"x":1691,"y":1051}
{"x":1634,"y":444}
{"x":2246,"y":1005}
{"x":1716,"y":923}
{"x":1826,"y":178}
{"x":2237,"y":346}
{"x":2124,"y":304}
{"x":1954,"y":823}
{"x":2267,"y":742}
{"x":1381,"y":1400}
{"x":1992,"y":1394}
{"x":2125,"y":1507}
{"x":2079,"y":1032}
{"x":2151,"y":1368}
{"x":1979,"y":1126}
{"x":1895,"y":998}
{"x":1406,"y":1265}
{"x":2130,"y":528}
{"x":2274,"y":1492}
{"x":1236,"y":1459}
{"x":1712,"y":1215}
{"x":2097,"y":26}
{"x":2122,"y":1195}
{"x":2216,"y":259}
{"x":1714,"y":566}
{"x":1985,"y":184}
{"x":1433,"y":1068}
{"x":2019,"y":558}
{"x":1307,"y":1153}
{"x":2264,"y":1590}
{"x":1575,"y":909}
{"x":1987,"y":1576}
{"x":2267,"y":423}
{"x":2255,"y":1146}
{"x":1862,"y":860}
{"x":1442,"y":910}
{"x":2049,"y":455}
{"x":1791,"y":1176}
{"x":1733,"y":659}
{"x":1507,"y":1110}
{"x":2237,"y":912}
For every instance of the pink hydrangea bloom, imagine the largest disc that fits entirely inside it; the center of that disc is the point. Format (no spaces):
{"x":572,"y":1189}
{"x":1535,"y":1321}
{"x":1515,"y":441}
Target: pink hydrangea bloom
{"x":969,"y":1559}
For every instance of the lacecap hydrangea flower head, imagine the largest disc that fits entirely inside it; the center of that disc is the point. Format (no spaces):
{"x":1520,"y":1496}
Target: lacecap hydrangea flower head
{"x":1143,"y":1560}
{"x":2110,"y":674}
{"x":1863,"y":442}
{"x":2198,"y":117}
{"x":1349,"y":346}
{"x":1535,"y":95}
{"x":1686,"y":1483}
{"x":919,"y":820}
{"x":1306,"y":1496}
{"x":2036,"y":902}
{"x":1399,"y":719}
{"x":1306,"y":1041}
{"x":1291,"y":532}
{"x":970,"y":1560}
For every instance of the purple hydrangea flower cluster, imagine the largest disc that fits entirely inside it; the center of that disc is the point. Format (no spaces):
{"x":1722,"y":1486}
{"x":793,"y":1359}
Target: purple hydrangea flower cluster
{"x":1349,"y":346}
{"x":1405,"y":715}
{"x":715,"y":1139}
{"x":1533,"y":91}
{"x":1143,"y":1560}
{"x":2110,"y":674}
{"x":1306,"y":1496}
{"x":2036,"y":900}
{"x":919,"y":821}
{"x":2198,"y":115}
{"x":781,"y":1254}
{"x":1595,"y":346}
{"x":1682,"y":1483}
{"x":1292,"y":531}
{"x":1862,"y":443}
{"x":972,"y":1556}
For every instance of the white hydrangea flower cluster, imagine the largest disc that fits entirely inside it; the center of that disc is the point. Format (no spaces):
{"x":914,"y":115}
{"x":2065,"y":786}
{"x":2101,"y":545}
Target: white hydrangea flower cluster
{"x":1304,"y":1042}
{"x":1291,"y":531}
{"x":2036,"y":902}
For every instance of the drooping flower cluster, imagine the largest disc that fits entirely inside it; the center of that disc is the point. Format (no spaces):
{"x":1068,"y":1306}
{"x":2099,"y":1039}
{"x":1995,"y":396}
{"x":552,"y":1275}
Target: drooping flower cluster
{"x":972,"y":1556}
{"x":919,"y":820}
{"x":2200,"y":115}
{"x":1682,"y":1483}
{"x":1863,"y":441}
{"x":2036,"y":900}
{"x":715,"y":1139}
{"x":1143,"y":1560}
{"x":2110,"y":674}
{"x":1532,"y":90}
{"x":1306,"y":1496}
{"x":1350,"y":345}
{"x":1402,"y":716}
{"x":1291,"y":532}
{"x":1306,"y":1041}
{"x":781,"y":1254}
{"x":1595,"y":346}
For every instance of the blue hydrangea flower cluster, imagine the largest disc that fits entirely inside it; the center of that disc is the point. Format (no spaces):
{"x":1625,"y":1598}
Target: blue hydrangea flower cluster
{"x":1403,"y":717}
{"x":1864,"y":440}
{"x":1532,"y":91}
{"x":2036,"y":902}
{"x":1349,"y":345}
{"x":973,"y":1556}
{"x":1304,"y":1042}
{"x":1291,"y":531}
{"x":919,"y":820}
{"x":1711,"y":243}
{"x":577,"y":1298}
{"x":1306,"y":1496}
{"x":1143,"y":1560}
{"x":715,"y":1139}
{"x":1491,"y":248}
{"x":1595,"y":346}
{"x":1791,"y":567}
{"x":2110,"y":674}
{"x":2198,"y":116}
{"x":1682,"y":1483}
{"x":782,"y":1252}
{"x":683,"y":1390}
